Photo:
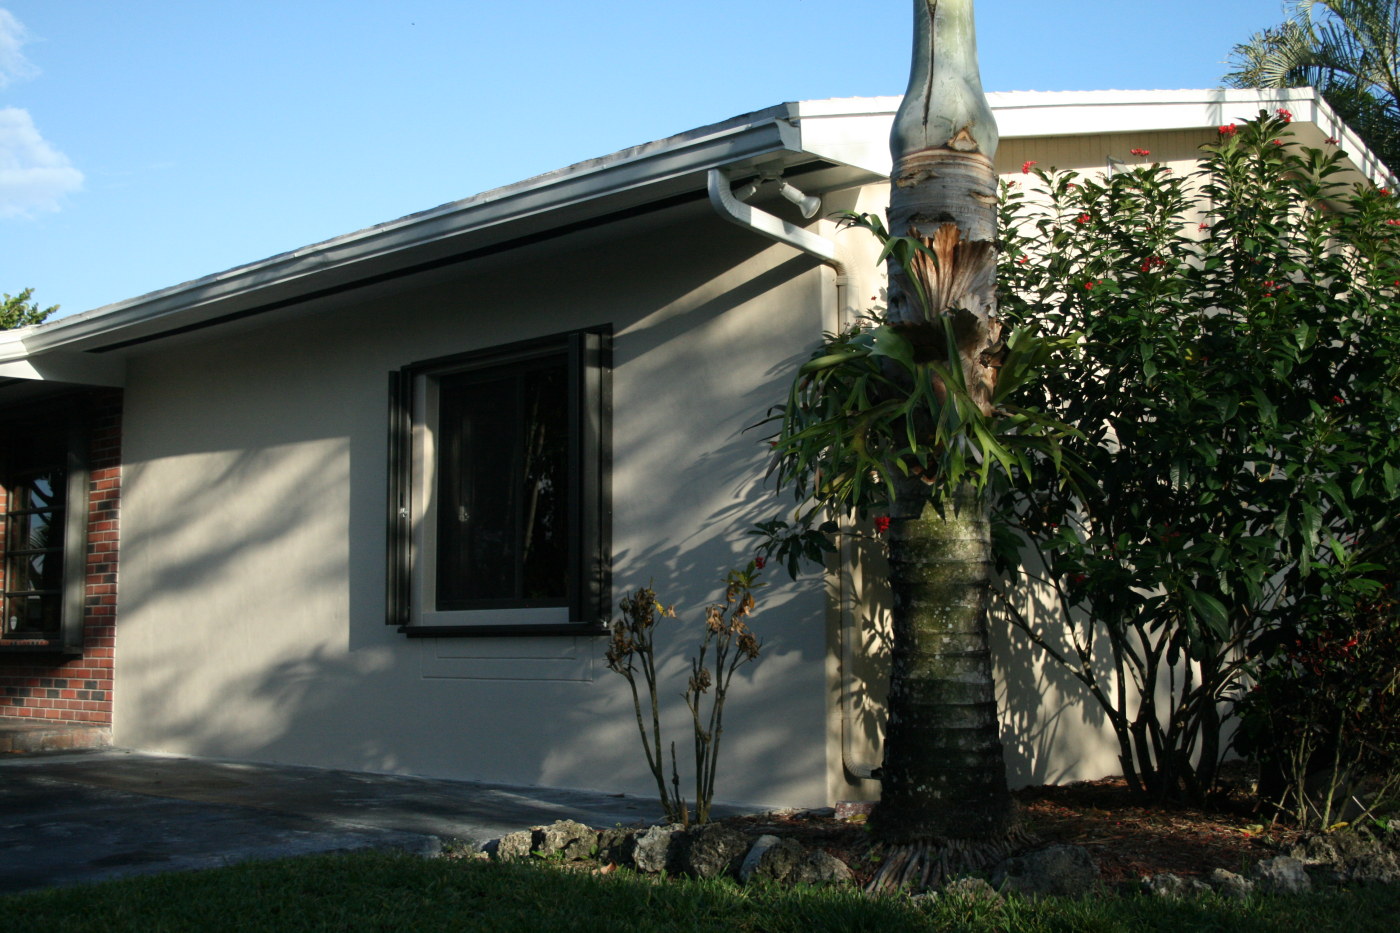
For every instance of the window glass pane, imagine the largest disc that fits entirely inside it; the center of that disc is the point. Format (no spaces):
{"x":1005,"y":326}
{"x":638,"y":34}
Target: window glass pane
{"x":44,"y":491}
{"x":33,"y":531}
{"x":503,"y":485}
{"x":35,"y":572}
{"x":36,"y":484}
{"x":32,"y":615}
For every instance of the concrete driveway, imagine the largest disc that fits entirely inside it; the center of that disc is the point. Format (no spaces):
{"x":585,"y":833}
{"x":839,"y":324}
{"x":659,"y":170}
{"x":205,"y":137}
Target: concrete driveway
{"x":74,"y":817}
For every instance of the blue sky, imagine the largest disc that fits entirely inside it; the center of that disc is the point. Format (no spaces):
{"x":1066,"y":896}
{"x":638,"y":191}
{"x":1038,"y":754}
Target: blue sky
{"x":147,"y":142}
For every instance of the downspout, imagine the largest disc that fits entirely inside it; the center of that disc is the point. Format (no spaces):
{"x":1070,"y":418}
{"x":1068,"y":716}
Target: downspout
{"x":775,"y":228}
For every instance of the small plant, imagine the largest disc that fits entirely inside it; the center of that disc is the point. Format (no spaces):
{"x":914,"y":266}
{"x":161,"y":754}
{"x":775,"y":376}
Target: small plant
{"x":728,"y":644}
{"x":727,"y":634}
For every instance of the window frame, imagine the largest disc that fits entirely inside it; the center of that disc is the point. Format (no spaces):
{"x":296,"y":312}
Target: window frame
{"x":68,"y":638}
{"x":412,"y":508}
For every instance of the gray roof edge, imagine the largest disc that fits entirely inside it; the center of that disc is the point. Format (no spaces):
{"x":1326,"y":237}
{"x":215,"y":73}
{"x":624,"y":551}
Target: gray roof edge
{"x":748,"y":135}
{"x":773,"y":129}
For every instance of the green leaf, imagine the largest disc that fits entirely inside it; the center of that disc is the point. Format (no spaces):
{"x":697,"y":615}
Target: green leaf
{"x":890,"y":343}
{"x":1211,"y":611}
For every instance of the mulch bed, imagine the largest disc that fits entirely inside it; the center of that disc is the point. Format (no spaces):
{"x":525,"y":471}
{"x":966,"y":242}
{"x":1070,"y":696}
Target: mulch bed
{"x":1128,"y":839}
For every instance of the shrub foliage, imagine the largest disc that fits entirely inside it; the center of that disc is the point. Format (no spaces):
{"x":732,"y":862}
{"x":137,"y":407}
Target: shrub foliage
{"x":1234,"y":376}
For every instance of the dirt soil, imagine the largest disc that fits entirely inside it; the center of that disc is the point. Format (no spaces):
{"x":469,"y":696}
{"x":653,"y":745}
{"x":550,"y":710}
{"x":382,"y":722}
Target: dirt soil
{"x":1128,"y":839}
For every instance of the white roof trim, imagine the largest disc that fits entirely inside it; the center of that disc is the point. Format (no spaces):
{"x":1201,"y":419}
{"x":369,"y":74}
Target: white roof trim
{"x":752,"y":135}
{"x":850,"y":131}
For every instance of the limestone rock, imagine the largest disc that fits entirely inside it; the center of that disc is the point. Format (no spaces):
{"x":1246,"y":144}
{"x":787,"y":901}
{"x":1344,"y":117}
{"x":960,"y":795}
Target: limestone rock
{"x":711,"y":851}
{"x":772,"y":859}
{"x":1230,"y":884}
{"x":971,"y":889}
{"x":1061,"y":870}
{"x":1351,"y":857}
{"x":1282,"y":874}
{"x":616,"y":846}
{"x":819,"y":867}
{"x":653,"y":852}
{"x":513,"y":846}
{"x":566,"y":839}
{"x":1169,"y":885}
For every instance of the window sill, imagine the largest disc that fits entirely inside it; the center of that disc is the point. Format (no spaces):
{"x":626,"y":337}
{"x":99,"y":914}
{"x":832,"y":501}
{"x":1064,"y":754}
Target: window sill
{"x":470,"y":631}
{"x":35,"y":646}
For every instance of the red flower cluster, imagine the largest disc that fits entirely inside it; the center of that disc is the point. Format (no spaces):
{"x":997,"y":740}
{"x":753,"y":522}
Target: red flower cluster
{"x":1022,"y":259}
{"x":1332,"y":140}
{"x":1284,"y":115}
{"x":1089,"y":285}
{"x":1026,"y":166}
{"x":1140,"y":152}
{"x":882,"y":524}
{"x":1393,"y":222}
{"x":1152,"y":262}
{"x":1082,"y":219}
{"x":1228,"y":130}
{"x":760,"y":562}
{"x":1338,"y":400}
{"x":1385,"y":191}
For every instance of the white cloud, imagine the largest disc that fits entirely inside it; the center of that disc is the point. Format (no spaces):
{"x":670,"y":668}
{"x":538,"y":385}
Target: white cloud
{"x":34,"y":176}
{"x":13,"y":65}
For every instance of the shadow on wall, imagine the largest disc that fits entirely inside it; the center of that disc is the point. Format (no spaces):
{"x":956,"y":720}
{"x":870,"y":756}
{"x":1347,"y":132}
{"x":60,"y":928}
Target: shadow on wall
{"x":253,"y":595}
{"x":1052,"y":731}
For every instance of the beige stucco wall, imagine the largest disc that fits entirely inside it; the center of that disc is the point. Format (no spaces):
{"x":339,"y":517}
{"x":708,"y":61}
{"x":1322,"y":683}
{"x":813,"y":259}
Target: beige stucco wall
{"x":252,"y":590}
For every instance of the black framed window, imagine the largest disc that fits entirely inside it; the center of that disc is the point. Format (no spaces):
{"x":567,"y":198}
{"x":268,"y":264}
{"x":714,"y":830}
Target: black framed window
{"x":498,"y":490}
{"x":44,"y":474}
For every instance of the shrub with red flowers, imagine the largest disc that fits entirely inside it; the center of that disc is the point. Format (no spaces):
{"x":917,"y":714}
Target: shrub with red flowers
{"x":1323,"y":717}
{"x":1228,"y":497}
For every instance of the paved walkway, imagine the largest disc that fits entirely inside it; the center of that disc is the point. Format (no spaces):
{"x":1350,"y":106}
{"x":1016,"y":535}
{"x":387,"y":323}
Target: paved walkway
{"x":73,"y":817}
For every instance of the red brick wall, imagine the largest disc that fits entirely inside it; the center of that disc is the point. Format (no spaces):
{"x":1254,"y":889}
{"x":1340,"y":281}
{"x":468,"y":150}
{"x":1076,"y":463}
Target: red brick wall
{"x":79,"y":688}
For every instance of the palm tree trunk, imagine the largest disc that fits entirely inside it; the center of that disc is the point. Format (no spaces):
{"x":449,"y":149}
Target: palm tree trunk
{"x":944,"y":773}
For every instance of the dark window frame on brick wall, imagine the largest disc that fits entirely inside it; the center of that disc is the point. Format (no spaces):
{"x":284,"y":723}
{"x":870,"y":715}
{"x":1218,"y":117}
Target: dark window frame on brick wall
{"x":63,"y":421}
{"x":434,"y":405}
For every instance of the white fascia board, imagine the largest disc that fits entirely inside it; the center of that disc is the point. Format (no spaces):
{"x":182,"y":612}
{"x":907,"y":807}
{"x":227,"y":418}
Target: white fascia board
{"x":62,"y":366}
{"x":1061,"y":113}
{"x":746,"y":137}
{"x":855,"y":131}
{"x":848,"y":131}
{"x":17,"y":362}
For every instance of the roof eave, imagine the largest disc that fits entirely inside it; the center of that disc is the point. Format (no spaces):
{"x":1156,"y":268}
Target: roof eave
{"x":633,"y":175}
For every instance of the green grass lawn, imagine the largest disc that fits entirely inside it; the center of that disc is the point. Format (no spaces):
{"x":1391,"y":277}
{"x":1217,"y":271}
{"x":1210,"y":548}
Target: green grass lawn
{"x":378,"y":891}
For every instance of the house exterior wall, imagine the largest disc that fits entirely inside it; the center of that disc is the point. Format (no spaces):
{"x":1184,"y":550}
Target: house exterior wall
{"x":78,"y":688}
{"x":253,"y":586}
{"x":254,"y":531}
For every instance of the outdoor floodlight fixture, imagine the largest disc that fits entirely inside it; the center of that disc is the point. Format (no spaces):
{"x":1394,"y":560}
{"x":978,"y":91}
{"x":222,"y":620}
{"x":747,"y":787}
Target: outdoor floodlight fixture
{"x":747,"y":191}
{"x":1112,"y":161}
{"x":806,"y":203}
